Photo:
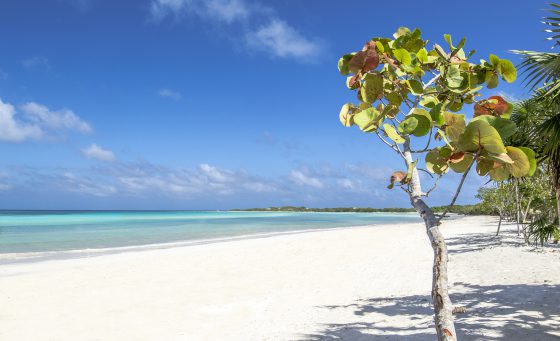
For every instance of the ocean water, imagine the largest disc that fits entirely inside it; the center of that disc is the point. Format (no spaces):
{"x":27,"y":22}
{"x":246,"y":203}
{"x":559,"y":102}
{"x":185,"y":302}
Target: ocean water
{"x":52,"y":231}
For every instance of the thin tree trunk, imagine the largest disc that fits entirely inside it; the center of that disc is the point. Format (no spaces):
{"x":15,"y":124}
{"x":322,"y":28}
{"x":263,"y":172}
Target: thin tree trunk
{"x":443,"y":307}
{"x":556,"y":181}
{"x":524,"y":216}
{"x":517,"y":206}
{"x":499,"y":224}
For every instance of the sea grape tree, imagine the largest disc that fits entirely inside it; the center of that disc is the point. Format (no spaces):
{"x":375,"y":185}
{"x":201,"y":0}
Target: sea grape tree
{"x":411,"y":97}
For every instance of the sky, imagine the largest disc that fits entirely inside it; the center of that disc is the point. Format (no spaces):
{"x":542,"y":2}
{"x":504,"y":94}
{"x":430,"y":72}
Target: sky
{"x":216,"y":104}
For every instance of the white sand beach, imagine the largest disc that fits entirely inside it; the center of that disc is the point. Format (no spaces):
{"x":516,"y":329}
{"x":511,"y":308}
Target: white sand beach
{"x":368,"y":283}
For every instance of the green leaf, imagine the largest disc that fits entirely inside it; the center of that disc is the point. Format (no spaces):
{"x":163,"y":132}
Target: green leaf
{"x":499,"y":173}
{"x":454,"y":125}
{"x":422,"y":56}
{"x":480,"y":135}
{"x":390,"y":111}
{"x":394,"y":98}
{"x":483,"y":166}
{"x":403,"y":56}
{"x":380,"y":47}
{"x":454,"y":77}
{"x":409,"y":172}
{"x":429,"y":101}
{"x":372,"y":87}
{"x":501,"y":158}
{"x":461,"y":44}
{"x":343,"y":64}
{"x":408,"y":125}
{"x":364,"y":105}
{"x":437,"y":114}
{"x":367,"y":119}
{"x":415,"y":86}
{"x":424,"y":122}
{"x":347,"y":114}
{"x":401,"y":31}
{"x":442,"y":135}
{"x":521,"y":165}
{"x":494,"y":60}
{"x":436,"y":162}
{"x":455,"y":106}
{"x":491,"y":79}
{"x":473,"y":80}
{"x":461,"y":166}
{"x":532,"y":161}
{"x":509,"y":73}
{"x":505,"y":127}
{"x":392,"y":133}
{"x":447,"y":38}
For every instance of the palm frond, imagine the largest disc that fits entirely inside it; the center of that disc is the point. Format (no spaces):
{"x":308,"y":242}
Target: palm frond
{"x":553,"y":22}
{"x":550,"y":131}
{"x":539,"y":67}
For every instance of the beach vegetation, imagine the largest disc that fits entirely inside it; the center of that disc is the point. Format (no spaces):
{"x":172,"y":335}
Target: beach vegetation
{"x":423,"y":102}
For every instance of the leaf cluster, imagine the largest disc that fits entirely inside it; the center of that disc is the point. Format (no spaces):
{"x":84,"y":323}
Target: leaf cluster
{"x":407,"y":91}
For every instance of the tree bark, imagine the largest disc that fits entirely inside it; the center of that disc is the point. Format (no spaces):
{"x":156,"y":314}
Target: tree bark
{"x":524,"y":216}
{"x":443,"y":307}
{"x":499,"y":224}
{"x":556,"y":181}
{"x":517,"y":206}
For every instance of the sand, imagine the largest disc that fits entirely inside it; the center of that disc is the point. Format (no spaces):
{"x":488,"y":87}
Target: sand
{"x":367,"y":283}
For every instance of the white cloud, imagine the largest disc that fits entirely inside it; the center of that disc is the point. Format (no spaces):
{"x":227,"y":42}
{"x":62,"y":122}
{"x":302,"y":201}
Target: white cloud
{"x":214,"y":174}
{"x":509,"y":96}
{"x":36,"y":63}
{"x":276,"y":38}
{"x":37,"y":122}
{"x":13,"y":130}
{"x":226,"y":11}
{"x":302,"y":179}
{"x":346,"y":184}
{"x":282,"y":40}
{"x":209,"y":185}
{"x":166,"y":93}
{"x":98,"y":153}
{"x":55,"y":120}
{"x":86,"y":185}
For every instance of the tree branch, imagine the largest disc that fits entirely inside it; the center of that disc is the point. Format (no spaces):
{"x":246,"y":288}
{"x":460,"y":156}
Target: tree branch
{"x":458,"y":190}
{"x":434,"y":186}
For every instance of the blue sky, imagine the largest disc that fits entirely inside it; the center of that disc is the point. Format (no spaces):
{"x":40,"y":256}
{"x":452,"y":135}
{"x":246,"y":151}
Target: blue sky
{"x":192,"y":104}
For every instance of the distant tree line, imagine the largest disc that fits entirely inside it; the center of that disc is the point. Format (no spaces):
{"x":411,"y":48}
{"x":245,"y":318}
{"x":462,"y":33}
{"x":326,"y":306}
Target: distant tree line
{"x":458,"y":209}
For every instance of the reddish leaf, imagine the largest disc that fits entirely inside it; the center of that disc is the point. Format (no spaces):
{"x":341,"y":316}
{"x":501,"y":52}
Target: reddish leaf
{"x":353,"y":80}
{"x":365,"y":60}
{"x":447,"y":332}
{"x":494,"y":105}
{"x":456,"y":157}
{"x":372,"y":58}
{"x":356,"y":64}
{"x":398,"y":176}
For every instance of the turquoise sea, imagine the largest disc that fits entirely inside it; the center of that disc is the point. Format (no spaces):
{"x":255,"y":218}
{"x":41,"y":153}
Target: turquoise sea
{"x":52,"y":231}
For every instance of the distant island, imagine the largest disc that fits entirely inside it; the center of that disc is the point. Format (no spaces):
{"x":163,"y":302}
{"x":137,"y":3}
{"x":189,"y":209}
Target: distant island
{"x":458,"y":209}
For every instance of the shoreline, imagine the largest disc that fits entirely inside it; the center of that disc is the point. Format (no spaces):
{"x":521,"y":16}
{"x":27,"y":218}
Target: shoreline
{"x":348,"y":284}
{"x":177,"y":230}
{"x":34,"y":257}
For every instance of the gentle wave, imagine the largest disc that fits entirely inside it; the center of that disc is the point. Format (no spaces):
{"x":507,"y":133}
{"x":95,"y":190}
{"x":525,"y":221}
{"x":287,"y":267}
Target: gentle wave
{"x":31,"y":232}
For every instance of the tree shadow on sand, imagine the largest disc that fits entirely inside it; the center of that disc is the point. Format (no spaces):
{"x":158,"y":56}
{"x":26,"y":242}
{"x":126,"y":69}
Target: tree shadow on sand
{"x":496,"y":312}
{"x":473,"y":242}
